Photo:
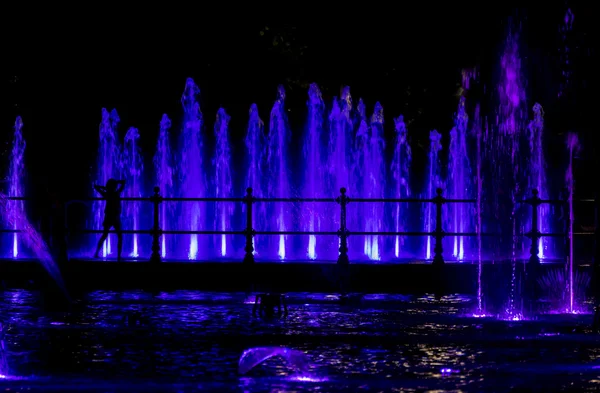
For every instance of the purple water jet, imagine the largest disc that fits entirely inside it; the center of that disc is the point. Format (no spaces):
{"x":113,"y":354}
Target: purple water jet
{"x":163,"y":169}
{"x":278,"y":177}
{"x":537,"y":175}
{"x":223,"y":184}
{"x":359,"y":168}
{"x":573,"y":146}
{"x":16,"y":174}
{"x":477,"y":130}
{"x":255,"y":146}
{"x":434,"y":181}
{"x":108,"y":166}
{"x":375,"y":172}
{"x":340,"y":153}
{"x":460,"y":185}
{"x":314,"y":184}
{"x":191,"y":169}
{"x":400,"y":170}
{"x":133,"y":165}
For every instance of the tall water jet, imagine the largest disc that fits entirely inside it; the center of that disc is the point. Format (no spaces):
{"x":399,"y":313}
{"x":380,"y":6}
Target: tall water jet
{"x":434,"y":182}
{"x":193,"y":181}
{"x":255,"y":145}
{"x":537,"y":175}
{"x":573,"y":146}
{"x":479,"y":194}
{"x":400,"y":170}
{"x":223,"y":185}
{"x":375,"y":168}
{"x":360,"y":162}
{"x":340,"y":153}
{"x":108,"y":166}
{"x":314,"y":185}
{"x":133,"y":165}
{"x":279,"y":183}
{"x":16,"y":173}
{"x":163,"y":169}
{"x":460,"y":182}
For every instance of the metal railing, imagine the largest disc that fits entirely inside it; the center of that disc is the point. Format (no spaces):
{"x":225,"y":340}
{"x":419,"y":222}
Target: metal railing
{"x":343,"y":233}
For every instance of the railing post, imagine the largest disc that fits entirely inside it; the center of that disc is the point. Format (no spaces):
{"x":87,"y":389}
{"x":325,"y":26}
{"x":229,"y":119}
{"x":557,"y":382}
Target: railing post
{"x":534,"y":233}
{"x":156,"y":231}
{"x":249,"y":256}
{"x":343,"y":200}
{"x":438,"y":259}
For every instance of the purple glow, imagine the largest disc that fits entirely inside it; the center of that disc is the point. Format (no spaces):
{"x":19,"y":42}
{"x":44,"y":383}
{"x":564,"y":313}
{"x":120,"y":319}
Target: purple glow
{"x":434,"y":182}
{"x":254,"y":356}
{"x":278,"y":178}
{"x":15,"y":179}
{"x":191,"y":169}
{"x":400,"y":170}
{"x":163,"y":167}
{"x":224,"y":210}
{"x":108,"y":167}
{"x":314,"y":184}
{"x":573,"y":146}
{"x":133,"y":165}
{"x":460,"y":181}
{"x":565,"y":51}
{"x":479,"y":181}
{"x":537,"y":174}
{"x":341,"y":153}
{"x":255,"y":145}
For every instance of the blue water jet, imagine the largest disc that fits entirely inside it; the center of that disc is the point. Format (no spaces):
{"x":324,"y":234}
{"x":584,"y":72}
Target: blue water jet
{"x":255,"y":178}
{"x":191,"y":169}
{"x":400,"y":170}
{"x":133,"y":166}
{"x":223,"y":183}
{"x":279,"y":183}
{"x":164,"y":171}
{"x":16,"y":175}
{"x":434,"y":181}
{"x":314,"y":183}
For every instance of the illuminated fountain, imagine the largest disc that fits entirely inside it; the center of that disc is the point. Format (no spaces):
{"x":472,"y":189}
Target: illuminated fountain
{"x":163,"y":169}
{"x":15,"y":178}
{"x":400,"y":171}
{"x":108,"y":166}
{"x":460,"y":184}
{"x":359,"y":167}
{"x":340,"y":153}
{"x":434,"y":181}
{"x":278,"y":176}
{"x":314,"y":183}
{"x":255,"y":145}
{"x":573,"y":146}
{"x":191,"y":169}
{"x":223,"y":185}
{"x":133,"y":165}
{"x":537,"y":175}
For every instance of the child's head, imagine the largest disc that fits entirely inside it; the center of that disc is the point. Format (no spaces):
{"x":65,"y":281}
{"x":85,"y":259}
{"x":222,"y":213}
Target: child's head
{"x":111,"y":185}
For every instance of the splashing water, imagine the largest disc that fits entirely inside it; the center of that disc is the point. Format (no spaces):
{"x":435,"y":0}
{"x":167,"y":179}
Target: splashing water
{"x":254,"y":356}
{"x":573,"y":146}
{"x":193,"y":181}
{"x":15,"y":177}
{"x":133,"y":165}
{"x":32,"y":240}
{"x":434,"y":182}
{"x":109,"y":166}
{"x":341,"y":152}
{"x":279,"y":184}
{"x":361,"y":159}
{"x":314,"y":184}
{"x":460,"y":184}
{"x":224,"y":210}
{"x":163,"y":167}
{"x":400,"y":171}
{"x":537,"y":174}
{"x":375,"y":169}
{"x":255,"y":144}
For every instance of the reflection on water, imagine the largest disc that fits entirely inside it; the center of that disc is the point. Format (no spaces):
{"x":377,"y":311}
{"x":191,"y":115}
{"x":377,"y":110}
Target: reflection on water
{"x":192,"y":341}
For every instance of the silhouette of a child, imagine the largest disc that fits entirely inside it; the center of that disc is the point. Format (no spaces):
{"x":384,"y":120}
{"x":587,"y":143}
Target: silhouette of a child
{"x":112,"y":212}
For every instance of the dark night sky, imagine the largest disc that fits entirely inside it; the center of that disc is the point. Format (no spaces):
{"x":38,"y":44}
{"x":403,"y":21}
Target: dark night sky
{"x":61,"y":66}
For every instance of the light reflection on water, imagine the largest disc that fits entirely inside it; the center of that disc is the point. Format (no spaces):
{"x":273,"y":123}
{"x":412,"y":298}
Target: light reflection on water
{"x":192,"y":341}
